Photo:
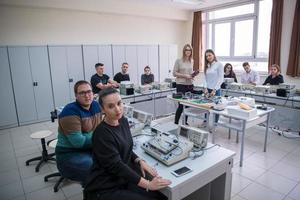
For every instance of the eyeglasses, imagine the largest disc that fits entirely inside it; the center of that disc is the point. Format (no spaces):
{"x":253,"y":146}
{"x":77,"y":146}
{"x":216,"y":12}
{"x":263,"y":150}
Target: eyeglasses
{"x":188,"y":50}
{"x":83,"y":93}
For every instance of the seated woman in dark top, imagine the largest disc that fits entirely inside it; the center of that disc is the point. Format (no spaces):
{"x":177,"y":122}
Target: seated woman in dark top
{"x":147,"y":77}
{"x":228,"y":73}
{"x":115,"y":172}
{"x":275,"y":78}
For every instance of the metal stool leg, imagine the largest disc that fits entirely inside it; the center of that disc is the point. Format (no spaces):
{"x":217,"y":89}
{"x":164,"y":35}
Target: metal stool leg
{"x":57,"y":184}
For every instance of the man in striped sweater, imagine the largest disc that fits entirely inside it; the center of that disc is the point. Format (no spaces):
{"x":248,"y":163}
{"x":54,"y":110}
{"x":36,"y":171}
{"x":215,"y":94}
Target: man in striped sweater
{"x":76,"y":123}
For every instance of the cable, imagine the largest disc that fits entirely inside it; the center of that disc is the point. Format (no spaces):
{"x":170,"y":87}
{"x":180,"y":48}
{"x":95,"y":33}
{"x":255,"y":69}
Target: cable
{"x":202,"y":150}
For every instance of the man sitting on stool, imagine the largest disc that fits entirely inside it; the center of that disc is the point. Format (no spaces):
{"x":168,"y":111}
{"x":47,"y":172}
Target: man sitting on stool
{"x":76,"y":123}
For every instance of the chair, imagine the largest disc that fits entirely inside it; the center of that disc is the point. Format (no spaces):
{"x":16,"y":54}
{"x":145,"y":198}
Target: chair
{"x":45,"y":156}
{"x":52,"y":144}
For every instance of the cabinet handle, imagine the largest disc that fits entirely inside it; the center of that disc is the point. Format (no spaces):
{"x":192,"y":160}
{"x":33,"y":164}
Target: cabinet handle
{"x":70,"y":80}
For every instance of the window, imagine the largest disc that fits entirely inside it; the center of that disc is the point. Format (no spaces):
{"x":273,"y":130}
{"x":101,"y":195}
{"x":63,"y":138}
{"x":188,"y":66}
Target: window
{"x":239,"y":33}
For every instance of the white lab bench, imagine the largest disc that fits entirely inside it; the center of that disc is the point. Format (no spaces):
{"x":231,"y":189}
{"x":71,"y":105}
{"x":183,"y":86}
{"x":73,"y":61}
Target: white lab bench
{"x":211,"y":175}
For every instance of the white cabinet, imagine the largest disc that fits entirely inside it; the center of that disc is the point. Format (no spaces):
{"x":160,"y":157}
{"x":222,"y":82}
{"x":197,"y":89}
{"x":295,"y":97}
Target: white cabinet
{"x":93,"y":54}
{"x":167,"y":58}
{"x":31,"y":83}
{"x":8,"y":115}
{"x":66,"y":66}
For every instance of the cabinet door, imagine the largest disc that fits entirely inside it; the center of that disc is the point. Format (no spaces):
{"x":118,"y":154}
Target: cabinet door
{"x":105,"y":57}
{"x":8,"y":115}
{"x":90,"y":58}
{"x":163,"y":62}
{"x":118,"y":57}
{"x":22,"y":84}
{"x":153,"y":60}
{"x":143,"y":61}
{"x":41,"y":76}
{"x":59,"y":75}
{"x":131,"y":59}
{"x":74,"y":66}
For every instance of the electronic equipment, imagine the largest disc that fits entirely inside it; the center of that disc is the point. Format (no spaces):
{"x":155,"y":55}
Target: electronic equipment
{"x":235,"y":86}
{"x":247,"y":87}
{"x":197,"y":136}
{"x":168,"y":148}
{"x":262,"y":89}
{"x":143,"y":117}
{"x":246,"y":100}
{"x":128,"y":111}
{"x":163,"y":86}
{"x":177,"y":95}
{"x":237,"y":111}
{"x":286,"y":86}
{"x":171,"y":81}
{"x":145,"y":89}
{"x":285,"y":93}
{"x":181,"y":171}
{"x":126,"y":88}
{"x":228,"y":80}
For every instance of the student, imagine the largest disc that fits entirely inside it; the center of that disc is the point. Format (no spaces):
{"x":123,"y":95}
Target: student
{"x":100,"y":80}
{"x":249,"y":76}
{"x":213,"y":74}
{"x":275,"y":78}
{"x":183,"y":71}
{"x":228,"y":73}
{"x":147,"y":77}
{"x":76,"y":123}
{"x":114,"y":173}
{"x":123,"y":75}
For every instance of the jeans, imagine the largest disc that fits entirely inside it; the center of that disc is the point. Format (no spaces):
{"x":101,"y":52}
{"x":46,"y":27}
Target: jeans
{"x":183,"y":89}
{"x":75,"y":165}
{"x":218,"y":93}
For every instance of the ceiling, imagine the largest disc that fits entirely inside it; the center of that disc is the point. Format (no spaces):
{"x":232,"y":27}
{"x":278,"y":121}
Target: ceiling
{"x":167,"y":9}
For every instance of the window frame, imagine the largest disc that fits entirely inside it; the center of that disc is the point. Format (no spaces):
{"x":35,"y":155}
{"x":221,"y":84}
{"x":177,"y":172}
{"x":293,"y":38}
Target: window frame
{"x":232,"y":20}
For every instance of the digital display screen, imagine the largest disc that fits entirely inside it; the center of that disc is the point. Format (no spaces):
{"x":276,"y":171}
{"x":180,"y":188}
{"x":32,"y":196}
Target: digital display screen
{"x":182,"y":170}
{"x":183,"y":132}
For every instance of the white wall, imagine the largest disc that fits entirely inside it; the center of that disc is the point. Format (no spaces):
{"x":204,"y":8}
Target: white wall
{"x":287,"y":24}
{"x":36,"y":26}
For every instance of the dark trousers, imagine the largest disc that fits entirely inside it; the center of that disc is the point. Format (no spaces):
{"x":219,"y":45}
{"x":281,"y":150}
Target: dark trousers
{"x":183,"y":89}
{"x":128,"y":192}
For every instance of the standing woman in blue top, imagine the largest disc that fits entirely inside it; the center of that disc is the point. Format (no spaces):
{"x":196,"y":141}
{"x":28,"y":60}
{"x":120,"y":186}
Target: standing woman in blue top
{"x":213,"y":75}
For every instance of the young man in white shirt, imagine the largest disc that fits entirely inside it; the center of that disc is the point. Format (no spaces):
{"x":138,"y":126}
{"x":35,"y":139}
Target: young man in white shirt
{"x":249,"y":76}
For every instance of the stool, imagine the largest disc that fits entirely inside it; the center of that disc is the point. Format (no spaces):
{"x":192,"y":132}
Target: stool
{"x":52,"y":144}
{"x":45,"y":156}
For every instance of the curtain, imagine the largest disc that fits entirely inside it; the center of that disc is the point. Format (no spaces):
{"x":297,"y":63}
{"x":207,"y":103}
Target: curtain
{"x":275,"y":33}
{"x":293,"y":68}
{"x":197,"y":40}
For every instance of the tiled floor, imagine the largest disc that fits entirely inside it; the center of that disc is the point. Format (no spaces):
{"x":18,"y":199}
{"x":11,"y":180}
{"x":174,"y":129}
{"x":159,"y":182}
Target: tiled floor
{"x":270,"y":175}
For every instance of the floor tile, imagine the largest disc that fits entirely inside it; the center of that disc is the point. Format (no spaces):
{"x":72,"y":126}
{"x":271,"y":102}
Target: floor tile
{"x":76,"y":197}
{"x":276,"y":182}
{"x":249,"y":171}
{"x":22,"y":197}
{"x":29,"y":171}
{"x":35,"y":183}
{"x":287,"y":170}
{"x":71,"y":188}
{"x":239,"y":183}
{"x":11,"y":190}
{"x":258,"y":192}
{"x":261,"y":161}
{"x":45,"y":194}
{"x":237,"y":197}
{"x":9,"y":177}
{"x":295,"y":193}
{"x":291,"y":159}
{"x":8,"y":165}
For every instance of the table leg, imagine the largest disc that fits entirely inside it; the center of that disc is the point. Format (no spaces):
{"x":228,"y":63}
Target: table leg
{"x":242,"y":143}
{"x":266,"y":134}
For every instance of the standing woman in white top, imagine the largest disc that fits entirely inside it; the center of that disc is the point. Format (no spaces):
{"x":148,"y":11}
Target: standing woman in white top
{"x":183,"y":71}
{"x":213,"y":75}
